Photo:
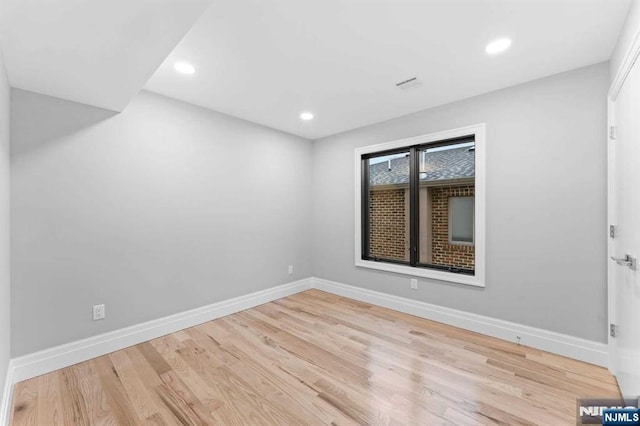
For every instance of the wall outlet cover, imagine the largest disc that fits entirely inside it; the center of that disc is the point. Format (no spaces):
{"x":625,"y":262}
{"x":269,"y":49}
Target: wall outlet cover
{"x":98,"y":312}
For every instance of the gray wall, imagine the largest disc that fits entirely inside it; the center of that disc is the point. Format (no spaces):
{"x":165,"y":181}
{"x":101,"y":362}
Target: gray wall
{"x":167,"y":206}
{"x":546,"y":204}
{"x":5,"y":315}
{"x":162,"y":208}
{"x":626,"y":37}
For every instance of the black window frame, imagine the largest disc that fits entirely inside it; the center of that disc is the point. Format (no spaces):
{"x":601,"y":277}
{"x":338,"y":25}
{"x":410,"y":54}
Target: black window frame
{"x":414,"y":204}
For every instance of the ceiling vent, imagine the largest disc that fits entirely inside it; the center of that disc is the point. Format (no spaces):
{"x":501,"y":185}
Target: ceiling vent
{"x":409,"y":83}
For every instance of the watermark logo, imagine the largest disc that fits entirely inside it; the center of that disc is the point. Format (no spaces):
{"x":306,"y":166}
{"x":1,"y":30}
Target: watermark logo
{"x":621,"y":417}
{"x":614,"y":411}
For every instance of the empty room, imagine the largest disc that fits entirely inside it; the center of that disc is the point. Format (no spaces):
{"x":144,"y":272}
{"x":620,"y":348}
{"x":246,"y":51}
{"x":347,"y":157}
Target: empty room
{"x":336,"y":212}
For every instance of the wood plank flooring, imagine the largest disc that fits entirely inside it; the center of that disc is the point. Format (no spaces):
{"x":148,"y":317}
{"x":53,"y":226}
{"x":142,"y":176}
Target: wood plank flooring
{"x":315,"y":358}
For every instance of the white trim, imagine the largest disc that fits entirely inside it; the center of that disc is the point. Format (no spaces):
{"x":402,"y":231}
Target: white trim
{"x":611,"y":220}
{"x":623,"y":71}
{"x":48,"y":360}
{"x":550,"y":341}
{"x":7,"y":393}
{"x":478,"y":131}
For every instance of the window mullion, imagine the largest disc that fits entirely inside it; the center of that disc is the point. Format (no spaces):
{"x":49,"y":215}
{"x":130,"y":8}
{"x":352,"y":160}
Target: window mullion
{"x":365,"y":209}
{"x":413,"y":206}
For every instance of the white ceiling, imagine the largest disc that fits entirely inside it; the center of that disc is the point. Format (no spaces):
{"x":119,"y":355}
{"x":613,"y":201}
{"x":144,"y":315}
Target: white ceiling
{"x":268,"y":60}
{"x":98,"y":52}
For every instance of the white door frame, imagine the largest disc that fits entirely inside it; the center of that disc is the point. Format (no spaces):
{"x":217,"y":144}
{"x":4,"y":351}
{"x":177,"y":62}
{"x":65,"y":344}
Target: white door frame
{"x":622,"y":73}
{"x":611,"y":309}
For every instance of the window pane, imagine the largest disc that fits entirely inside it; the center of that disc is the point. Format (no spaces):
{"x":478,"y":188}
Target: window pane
{"x":447,"y":181}
{"x":461,"y":219}
{"x":388,"y":193}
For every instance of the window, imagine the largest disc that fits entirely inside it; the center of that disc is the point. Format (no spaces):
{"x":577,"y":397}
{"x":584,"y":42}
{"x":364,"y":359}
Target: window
{"x":461,"y":220}
{"x":420,"y":206}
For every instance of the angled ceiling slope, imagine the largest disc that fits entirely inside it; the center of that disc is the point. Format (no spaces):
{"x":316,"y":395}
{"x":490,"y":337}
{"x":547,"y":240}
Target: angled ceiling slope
{"x":98,"y":52}
{"x":268,"y":60}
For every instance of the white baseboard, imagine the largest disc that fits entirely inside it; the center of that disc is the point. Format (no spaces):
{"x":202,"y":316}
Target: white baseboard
{"x":48,"y":360}
{"x":7,"y":393}
{"x":32,"y":365}
{"x":557,"y":343}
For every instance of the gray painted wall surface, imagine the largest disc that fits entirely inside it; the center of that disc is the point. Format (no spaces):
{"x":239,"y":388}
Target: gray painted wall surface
{"x":160,"y":209}
{"x":546,"y":204}
{"x":167,"y":207}
{"x":5,"y":285}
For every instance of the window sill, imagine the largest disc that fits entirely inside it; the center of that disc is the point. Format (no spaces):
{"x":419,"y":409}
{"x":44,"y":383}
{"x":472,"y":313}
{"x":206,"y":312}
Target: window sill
{"x":422,"y":272}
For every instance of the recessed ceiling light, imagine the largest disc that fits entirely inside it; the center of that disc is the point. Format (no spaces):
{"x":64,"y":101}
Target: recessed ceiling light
{"x":184,"y":68}
{"x":498,"y":46}
{"x":306,"y":116}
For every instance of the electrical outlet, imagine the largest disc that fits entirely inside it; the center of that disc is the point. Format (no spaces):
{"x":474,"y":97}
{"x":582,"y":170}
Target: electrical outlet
{"x":414,"y":283}
{"x":290,"y":269}
{"x":98,"y":312}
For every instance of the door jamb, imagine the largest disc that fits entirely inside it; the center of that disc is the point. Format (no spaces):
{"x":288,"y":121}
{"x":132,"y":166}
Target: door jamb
{"x":611,"y":308}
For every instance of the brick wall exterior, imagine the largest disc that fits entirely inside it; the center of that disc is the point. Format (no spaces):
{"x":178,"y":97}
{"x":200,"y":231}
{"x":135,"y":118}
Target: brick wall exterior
{"x":387,"y":224}
{"x":444,"y":253}
{"x":388,"y":230}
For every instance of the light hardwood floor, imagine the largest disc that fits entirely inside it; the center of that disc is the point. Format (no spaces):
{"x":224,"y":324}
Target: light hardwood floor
{"x":315,"y":358}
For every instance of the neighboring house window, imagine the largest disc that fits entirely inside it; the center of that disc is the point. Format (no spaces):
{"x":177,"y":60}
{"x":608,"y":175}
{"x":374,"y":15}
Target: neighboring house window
{"x":418,"y":208}
{"x":461,"y":220}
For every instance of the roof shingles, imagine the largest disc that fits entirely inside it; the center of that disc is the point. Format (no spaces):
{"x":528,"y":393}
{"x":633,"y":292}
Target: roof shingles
{"x":457,"y":163}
